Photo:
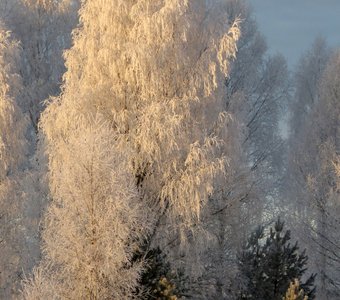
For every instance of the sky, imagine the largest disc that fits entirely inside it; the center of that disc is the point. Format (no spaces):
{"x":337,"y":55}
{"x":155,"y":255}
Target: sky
{"x":290,"y":26}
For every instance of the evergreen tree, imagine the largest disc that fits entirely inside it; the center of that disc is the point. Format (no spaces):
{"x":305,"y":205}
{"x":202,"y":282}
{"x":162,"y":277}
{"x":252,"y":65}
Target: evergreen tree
{"x":268,"y":265}
{"x":158,"y":280}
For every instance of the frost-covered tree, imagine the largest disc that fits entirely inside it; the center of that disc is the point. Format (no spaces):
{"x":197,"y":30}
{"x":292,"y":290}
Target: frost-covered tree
{"x":93,"y":225}
{"x":166,"y":107}
{"x":307,"y":81}
{"x":257,"y":90}
{"x":262,"y":81}
{"x":322,"y":177}
{"x":314,"y":178}
{"x":13,"y":151}
{"x":12,"y":121}
{"x":225,"y":220}
{"x":42,"y":31}
{"x":174,"y":98}
{"x":306,"y":96}
{"x":19,"y":195}
{"x":154,"y":71}
{"x":43,"y":28}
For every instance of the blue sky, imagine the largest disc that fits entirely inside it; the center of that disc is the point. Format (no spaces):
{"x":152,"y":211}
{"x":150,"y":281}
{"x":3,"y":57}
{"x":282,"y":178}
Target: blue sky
{"x":290,"y":26}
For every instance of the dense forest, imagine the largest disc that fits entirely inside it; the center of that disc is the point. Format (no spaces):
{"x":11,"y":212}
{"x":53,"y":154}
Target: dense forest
{"x":155,"y":149}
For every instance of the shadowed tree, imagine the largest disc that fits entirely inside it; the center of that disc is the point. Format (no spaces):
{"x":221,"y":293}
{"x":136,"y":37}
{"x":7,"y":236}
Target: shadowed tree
{"x":269,"y":264}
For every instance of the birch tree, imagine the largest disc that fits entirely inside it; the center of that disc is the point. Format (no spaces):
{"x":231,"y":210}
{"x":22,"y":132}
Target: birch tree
{"x":154,"y":72}
{"x":44,"y":29}
{"x":31,"y":66}
{"x":262,"y":81}
{"x":13,"y":150}
{"x":257,"y":92}
{"x":314,"y":168}
{"x":322,"y":178}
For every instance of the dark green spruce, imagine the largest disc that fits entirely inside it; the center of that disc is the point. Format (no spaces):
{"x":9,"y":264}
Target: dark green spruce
{"x":269,"y":262}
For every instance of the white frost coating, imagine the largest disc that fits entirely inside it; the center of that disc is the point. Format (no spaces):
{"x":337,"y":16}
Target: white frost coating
{"x":94,"y":222}
{"x":12,"y":121}
{"x":154,"y":71}
{"x":314,"y":161}
{"x":13,"y":150}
